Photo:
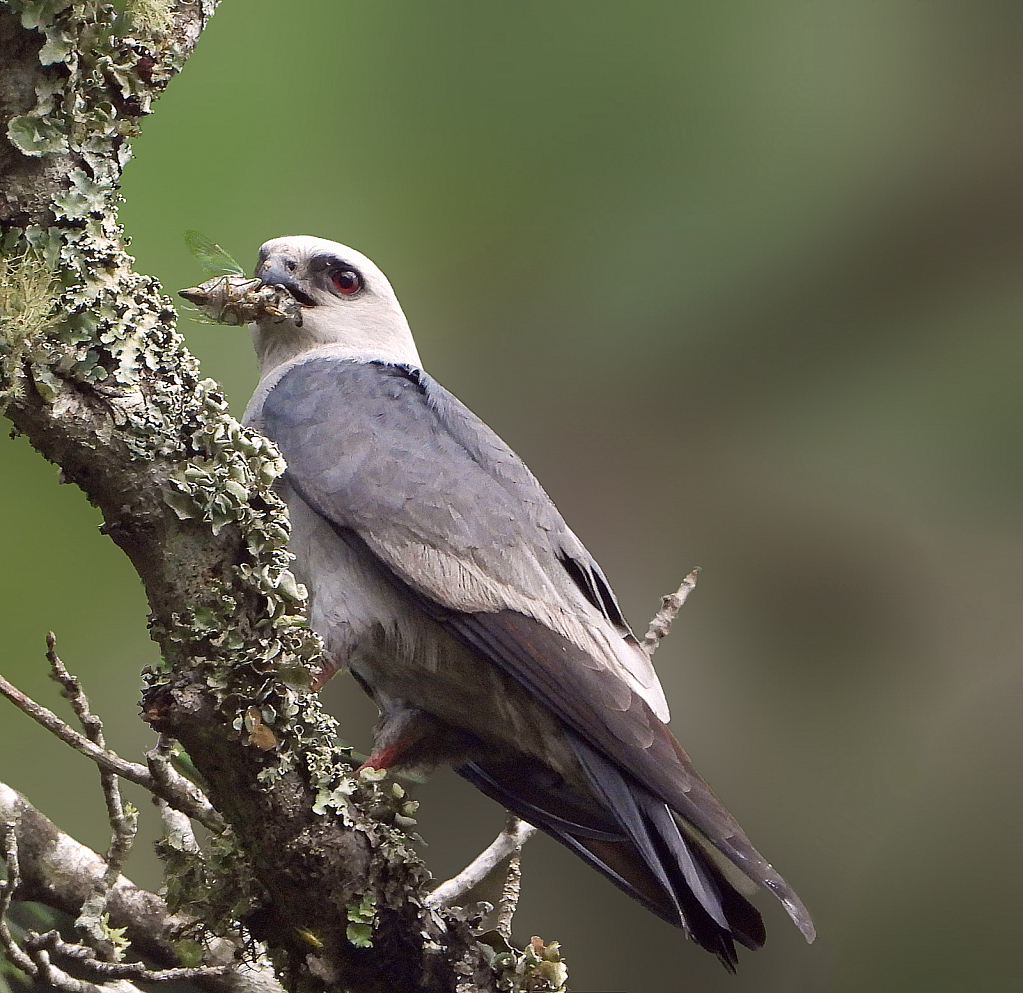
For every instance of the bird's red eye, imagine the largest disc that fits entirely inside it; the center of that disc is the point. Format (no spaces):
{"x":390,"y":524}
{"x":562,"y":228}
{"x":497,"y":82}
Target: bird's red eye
{"x":347,"y":281}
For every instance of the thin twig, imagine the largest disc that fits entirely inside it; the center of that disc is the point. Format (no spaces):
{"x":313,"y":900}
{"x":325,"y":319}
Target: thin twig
{"x":185,"y":797}
{"x":177,"y":826}
{"x":85,"y":959}
{"x":170,"y":781}
{"x":14,"y":952}
{"x":91,"y":724}
{"x":509,"y":899}
{"x":58,"y":979}
{"x":54,"y":869}
{"x":670,"y":606}
{"x":123,"y":820}
{"x":515,"y":834}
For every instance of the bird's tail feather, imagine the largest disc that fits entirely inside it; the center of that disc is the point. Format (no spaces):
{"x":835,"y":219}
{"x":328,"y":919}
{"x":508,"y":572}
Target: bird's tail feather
{"x":706,"y":904}
{"x":633,"y":838}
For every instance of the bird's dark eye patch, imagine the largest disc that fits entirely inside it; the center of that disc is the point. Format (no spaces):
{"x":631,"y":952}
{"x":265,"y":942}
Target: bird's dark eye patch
{"x":346,"y":280}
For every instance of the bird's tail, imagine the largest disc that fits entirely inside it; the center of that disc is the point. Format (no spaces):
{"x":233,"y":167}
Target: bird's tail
{"x":633,"y":838}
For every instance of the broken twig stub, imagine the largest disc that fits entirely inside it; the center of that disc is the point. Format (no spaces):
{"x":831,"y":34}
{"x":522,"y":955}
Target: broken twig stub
{"x":670,"y":606}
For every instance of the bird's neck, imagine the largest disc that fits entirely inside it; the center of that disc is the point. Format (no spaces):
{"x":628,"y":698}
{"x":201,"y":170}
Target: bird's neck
{"x":279,"y":344}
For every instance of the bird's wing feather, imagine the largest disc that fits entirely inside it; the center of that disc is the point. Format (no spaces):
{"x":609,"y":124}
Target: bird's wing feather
{"x":448,"y":507}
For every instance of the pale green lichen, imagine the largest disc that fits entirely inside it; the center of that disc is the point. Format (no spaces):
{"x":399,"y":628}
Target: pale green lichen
{"x":76,"y":112}
{"x":538,"y":968}
{"x":214,"y":887}
{"x":85,"y":196}
{"x":27,"y":305}
{"x":113,"y":939}
{"x":362,"y":917}
{"x":336,"y":798}
{"x":232,"y":483}
{"x":150,"y":16}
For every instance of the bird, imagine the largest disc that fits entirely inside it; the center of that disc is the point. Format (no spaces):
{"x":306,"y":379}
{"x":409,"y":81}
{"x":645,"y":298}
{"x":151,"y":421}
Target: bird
{"x":443,"y":578}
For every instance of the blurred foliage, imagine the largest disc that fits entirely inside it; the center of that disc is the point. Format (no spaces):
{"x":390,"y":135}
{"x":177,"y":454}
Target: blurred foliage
{"x":741,"y":282}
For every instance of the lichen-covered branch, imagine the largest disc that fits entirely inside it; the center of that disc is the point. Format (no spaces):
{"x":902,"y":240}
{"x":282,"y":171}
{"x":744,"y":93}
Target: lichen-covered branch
{"x":32,"y":955}
{"x":100,"y":971}
{"x":54,"y":869}
{"x":93,"y":372}
{"x":123,"y":817}
{"x":9,"y":851}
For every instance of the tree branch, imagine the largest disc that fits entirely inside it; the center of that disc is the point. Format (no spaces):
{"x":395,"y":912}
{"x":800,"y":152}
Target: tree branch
{"x":493,"y":860}
{"x":54,"y":869}
{"x":86,"y":960}
{"x":93,"y":372}
{"x":176,"y":790}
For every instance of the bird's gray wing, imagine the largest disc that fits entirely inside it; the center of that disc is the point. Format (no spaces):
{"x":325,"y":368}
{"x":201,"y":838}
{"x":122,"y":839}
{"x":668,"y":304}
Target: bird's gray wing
{"x":397,"y":464}
{"x":436,"y":495}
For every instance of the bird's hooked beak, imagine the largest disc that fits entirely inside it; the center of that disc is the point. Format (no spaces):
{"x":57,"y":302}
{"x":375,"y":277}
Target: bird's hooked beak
{"x":279,"y":270}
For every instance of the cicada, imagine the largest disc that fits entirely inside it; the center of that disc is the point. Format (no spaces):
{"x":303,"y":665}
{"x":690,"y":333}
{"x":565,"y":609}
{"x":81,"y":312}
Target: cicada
{"x":231,"y":297}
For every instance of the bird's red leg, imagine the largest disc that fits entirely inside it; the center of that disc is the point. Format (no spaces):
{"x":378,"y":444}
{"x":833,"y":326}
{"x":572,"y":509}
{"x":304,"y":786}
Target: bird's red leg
{"x":412,"y":740}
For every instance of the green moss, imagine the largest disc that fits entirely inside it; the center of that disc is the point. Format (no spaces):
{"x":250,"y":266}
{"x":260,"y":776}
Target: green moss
{"x":151,"y":17}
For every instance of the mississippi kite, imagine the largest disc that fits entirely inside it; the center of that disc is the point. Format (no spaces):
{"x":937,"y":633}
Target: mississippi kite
{"x":444,"y":579}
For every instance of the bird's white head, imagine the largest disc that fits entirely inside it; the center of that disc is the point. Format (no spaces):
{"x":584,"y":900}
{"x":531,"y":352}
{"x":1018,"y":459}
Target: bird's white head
{"x":347,"y":305}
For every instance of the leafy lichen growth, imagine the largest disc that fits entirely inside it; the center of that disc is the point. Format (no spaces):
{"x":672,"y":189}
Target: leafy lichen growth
{"x":536,"y":969}
{"x":82,"y":110}
{"x":214,"y":888}
{"x":362,"y":917}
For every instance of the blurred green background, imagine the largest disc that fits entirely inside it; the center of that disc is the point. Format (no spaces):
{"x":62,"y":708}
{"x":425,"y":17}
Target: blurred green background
{"x":741,"y":283}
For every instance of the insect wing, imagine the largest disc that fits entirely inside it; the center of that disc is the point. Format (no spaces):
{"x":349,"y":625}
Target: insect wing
{"x":214,"y":260}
